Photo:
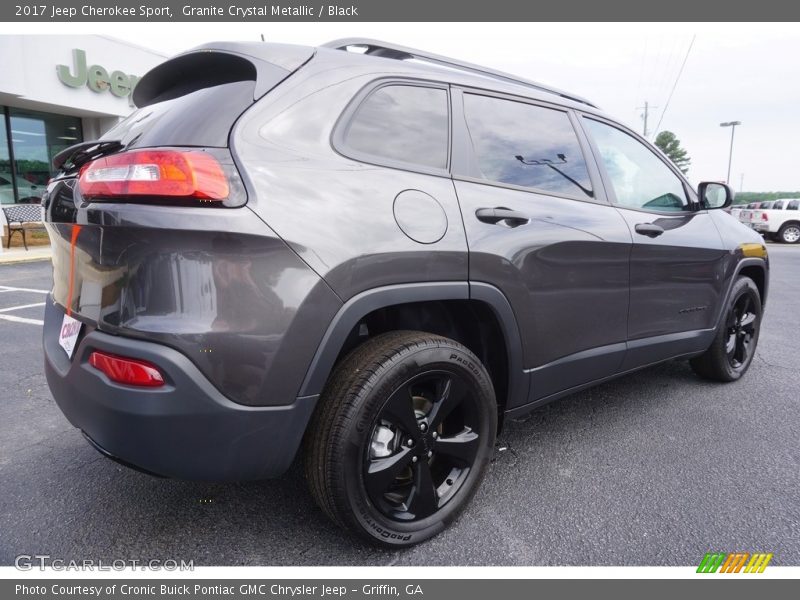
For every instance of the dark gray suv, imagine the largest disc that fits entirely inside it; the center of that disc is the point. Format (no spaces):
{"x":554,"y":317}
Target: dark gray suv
{"x":374,"y":254}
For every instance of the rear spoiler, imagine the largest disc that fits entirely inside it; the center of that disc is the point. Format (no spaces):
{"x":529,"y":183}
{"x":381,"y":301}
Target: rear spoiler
{"x":219,"y":63}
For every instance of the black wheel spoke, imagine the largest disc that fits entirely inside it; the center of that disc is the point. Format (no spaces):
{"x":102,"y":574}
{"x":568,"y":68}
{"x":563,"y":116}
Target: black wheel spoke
{"x":739,"y":355}
{"x":399,"y":410}
{"x":462,"y":448}
{"x":424,"y":500}
{"x":746,"y":305}
{"x":450,"y":394}
{"x":382,"y":472}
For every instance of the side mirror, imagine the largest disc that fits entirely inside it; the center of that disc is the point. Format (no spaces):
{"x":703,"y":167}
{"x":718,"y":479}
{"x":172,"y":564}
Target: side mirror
{"x":713,"y":194}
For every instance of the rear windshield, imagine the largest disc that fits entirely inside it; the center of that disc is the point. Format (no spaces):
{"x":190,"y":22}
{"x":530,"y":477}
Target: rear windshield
{"x":194,"y":99}
{"x":203,"y":117}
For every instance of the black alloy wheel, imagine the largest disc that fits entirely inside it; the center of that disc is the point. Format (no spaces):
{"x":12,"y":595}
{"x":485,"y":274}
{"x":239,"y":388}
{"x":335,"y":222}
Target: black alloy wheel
{"x":734,"y":345}
{"x":742,"y":318}
{"x":423,"y":445}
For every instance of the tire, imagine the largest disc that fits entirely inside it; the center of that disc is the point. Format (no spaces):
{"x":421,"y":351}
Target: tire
{"x":734,"y":345}
{"x":789,"y":233}
{"x":393,"y":469}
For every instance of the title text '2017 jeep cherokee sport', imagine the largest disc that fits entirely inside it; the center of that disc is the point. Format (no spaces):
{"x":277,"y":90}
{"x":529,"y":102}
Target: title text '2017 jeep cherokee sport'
{"x":376,"y":259}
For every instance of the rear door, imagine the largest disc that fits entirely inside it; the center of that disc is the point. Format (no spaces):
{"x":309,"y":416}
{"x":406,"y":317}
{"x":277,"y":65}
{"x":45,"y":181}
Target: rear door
{"x":540,"y":230}
{"x":678,"y":259}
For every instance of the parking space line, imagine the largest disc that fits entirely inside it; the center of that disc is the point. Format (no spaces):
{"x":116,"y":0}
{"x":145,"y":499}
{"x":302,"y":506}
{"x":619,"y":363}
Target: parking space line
{"x":8,"y":288}
{"x":21,"y":320}
{"x":21,"y":306}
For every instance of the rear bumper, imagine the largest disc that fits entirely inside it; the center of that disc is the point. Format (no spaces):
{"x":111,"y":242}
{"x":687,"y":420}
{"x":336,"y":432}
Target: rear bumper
{"x":186,"y":429}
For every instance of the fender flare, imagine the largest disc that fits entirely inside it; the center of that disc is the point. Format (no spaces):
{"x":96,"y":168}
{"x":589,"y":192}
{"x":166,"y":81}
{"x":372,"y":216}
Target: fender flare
{"x":745,"y":262}
{"x":360,"y":305}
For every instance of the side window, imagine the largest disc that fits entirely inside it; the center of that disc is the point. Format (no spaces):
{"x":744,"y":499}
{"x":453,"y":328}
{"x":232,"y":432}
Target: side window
{"x":793,"y":205}
{"x":402,"y":123}
{"x":527,"y":145}
{"x":639,"y":177}
{"x":778,"y":205}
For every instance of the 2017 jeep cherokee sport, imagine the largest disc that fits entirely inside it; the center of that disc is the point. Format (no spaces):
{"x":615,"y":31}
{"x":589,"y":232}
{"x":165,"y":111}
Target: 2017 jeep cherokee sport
{"x":375,"y":258}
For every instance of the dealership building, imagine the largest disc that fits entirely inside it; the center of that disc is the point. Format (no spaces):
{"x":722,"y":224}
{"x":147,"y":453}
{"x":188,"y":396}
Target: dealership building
{"x":56,"y":91}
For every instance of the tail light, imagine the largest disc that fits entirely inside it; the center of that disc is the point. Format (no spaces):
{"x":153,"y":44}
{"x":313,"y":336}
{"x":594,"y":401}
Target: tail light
{"x":764,"y":216}
{"x":139,"y":174}
{"x":128,"y":371}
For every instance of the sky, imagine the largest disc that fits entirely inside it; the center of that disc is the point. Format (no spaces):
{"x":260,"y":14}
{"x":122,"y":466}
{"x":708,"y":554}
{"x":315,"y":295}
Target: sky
{"x":733,"y":72}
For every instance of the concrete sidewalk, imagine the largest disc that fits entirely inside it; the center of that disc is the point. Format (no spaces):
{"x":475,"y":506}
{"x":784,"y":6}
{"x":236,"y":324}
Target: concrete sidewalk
{"x":10,"y":256}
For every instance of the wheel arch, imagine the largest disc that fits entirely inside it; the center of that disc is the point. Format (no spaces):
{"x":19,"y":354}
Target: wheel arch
{"x":756,"y":269}
{"x":475,"y":314}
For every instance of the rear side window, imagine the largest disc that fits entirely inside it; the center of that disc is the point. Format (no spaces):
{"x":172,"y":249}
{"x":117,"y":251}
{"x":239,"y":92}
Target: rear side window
{"x":526,"y":145}
{"x":401,"y":123}
{"x":778,"y":205}
{"x":793,"y":205}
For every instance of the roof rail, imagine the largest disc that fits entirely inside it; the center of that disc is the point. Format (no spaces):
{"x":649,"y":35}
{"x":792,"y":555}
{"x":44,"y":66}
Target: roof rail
{"x":389,"y":50}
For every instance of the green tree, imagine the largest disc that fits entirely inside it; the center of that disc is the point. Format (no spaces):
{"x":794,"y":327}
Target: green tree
{"x":671,"y":146}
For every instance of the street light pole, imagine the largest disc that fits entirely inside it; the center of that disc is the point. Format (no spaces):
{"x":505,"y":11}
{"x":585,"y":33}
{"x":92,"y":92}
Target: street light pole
{"x":732,"y":125}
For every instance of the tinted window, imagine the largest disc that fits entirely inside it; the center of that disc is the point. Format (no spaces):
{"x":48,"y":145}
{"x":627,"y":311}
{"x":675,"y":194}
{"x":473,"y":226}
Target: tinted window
{"x":793,"y":205}
{"x":778,"y":205}
{"x":527,"y":145}
{"x":639,"y":177}
{"x":203,"y":117}
{"x":402,"y":123}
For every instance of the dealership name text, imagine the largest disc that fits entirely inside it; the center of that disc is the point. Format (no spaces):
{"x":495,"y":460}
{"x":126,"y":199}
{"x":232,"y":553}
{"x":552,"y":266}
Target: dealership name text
{"x":184,"y":589}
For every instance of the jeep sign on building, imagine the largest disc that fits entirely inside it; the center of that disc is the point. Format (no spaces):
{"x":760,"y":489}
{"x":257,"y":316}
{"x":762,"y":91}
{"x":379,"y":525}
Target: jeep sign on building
{"x":56,"y":91}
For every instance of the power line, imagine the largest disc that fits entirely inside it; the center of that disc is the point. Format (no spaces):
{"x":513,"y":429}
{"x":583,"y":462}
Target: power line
{"x":677,"y":79}
{"x":674,"y":56}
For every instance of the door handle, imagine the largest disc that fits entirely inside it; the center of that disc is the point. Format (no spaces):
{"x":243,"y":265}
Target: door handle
{"x":649,"y":229}
{"x":508,"y":217}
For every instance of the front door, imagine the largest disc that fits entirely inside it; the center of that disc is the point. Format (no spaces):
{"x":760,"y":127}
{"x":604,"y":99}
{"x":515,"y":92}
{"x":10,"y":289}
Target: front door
{"x":677,"y":262}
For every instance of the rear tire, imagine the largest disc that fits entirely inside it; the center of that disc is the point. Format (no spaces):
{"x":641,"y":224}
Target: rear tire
{"x":401,"y":438}
{"x":734,"y":346}
{"x":789,"y":233}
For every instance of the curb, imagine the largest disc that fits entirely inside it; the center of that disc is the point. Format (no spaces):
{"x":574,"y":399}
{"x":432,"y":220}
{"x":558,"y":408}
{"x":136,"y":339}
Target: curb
{"x":23,"y":259}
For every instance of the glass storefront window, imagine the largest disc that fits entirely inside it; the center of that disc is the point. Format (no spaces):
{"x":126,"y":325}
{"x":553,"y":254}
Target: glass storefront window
{"x":36,"y":137}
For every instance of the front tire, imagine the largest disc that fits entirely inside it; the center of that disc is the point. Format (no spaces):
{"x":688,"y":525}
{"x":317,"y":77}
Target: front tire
{"x":734,"y":346}
{"x":402,"y":437}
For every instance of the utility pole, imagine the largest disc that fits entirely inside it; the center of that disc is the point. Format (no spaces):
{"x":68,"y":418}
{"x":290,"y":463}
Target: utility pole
{"x":732,"y":125}
{"x":645,"y":116}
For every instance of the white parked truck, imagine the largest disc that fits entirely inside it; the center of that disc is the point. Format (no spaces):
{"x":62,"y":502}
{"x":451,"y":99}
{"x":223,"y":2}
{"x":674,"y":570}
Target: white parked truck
{"x":781,"y":221}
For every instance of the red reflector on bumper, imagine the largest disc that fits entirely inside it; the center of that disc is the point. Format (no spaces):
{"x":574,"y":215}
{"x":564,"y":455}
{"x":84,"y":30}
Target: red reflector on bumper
{"x":127,"y":371}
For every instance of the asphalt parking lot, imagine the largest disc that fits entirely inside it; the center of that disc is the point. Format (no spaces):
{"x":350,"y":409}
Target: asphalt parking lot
{"x":656,"y":468}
